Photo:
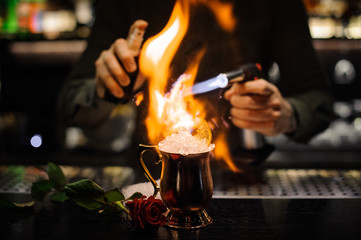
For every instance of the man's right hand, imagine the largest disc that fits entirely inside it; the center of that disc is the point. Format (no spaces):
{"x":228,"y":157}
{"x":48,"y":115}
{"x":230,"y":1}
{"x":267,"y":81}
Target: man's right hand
{"x":114,"y":64}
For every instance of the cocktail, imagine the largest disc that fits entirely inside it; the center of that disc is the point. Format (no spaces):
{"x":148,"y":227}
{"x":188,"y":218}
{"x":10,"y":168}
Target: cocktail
{"x":186,"y":185}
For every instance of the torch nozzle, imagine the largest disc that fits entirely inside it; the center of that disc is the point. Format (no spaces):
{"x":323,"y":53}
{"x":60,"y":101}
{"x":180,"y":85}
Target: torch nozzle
{"x":246,"y":72}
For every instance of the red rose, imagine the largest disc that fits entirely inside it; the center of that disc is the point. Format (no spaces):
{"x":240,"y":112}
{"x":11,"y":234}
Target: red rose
{"x":147,"y":212}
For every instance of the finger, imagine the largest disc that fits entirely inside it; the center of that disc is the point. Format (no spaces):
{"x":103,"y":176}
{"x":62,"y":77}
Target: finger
{"x":125,"y":55}
{"x":139,"y":81}
{"x":247,"y":101}
{"x":262,"y":127}
{"x":263,"y":115}
{"x":100,"y":87}
{"x":106,"y":78}
{"x":259,"y":86}
{"x":116,"y":69}
{"x":231,"y":92}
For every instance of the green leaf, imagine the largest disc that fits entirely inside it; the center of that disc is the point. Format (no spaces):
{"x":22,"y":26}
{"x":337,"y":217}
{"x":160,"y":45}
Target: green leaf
{"x":135,"y":195}
{"x":59,"y":197}
{"x":8,"y":204}
{"x":113,"y":196}
{"x":86,"y":193}
{"x":40,"y":189}
{"x":56,"y":175}
{"x":27,"y":204}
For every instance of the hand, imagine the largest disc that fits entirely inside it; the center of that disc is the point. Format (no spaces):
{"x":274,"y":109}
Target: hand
{"x":110,"y":73}
{"x":258,"y":105}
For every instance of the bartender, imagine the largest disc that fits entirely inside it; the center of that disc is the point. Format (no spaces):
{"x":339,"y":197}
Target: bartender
{"x":299,"y":105}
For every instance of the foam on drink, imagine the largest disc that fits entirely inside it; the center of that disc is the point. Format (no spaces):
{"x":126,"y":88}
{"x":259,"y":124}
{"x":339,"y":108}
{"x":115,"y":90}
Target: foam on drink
{"x":184,"y":143}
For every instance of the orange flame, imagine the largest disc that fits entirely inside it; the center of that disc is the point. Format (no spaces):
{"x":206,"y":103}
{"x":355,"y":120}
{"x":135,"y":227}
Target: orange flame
{"x":155,"y":59}
{"x":223,"y":13}
{"x":167,"y":112}
{"x":222,"y":151}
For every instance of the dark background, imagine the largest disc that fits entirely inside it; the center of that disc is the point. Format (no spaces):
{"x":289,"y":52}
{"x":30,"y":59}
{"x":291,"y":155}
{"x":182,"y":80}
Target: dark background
{"x":33,"y":67}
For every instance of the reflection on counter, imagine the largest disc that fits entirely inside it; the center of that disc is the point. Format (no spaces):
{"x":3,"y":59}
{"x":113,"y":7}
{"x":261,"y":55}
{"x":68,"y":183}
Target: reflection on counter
{"x":270,"y":183}
{"x":291,"y":183}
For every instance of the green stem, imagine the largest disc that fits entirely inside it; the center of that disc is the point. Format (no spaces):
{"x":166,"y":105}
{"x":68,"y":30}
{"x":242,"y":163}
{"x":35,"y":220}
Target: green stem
{"x":120,"y":204}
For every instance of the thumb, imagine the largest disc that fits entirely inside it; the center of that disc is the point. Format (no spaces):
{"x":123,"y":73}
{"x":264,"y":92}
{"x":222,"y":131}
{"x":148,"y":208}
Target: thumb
{"x":230,"y":92}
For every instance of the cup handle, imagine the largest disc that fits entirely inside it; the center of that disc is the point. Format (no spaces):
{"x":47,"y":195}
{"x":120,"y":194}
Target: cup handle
{"x":153,"y":148}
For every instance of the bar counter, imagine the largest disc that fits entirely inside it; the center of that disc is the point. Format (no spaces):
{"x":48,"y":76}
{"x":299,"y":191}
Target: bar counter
{"x":233,"y":219}
{"x":237,"y":216}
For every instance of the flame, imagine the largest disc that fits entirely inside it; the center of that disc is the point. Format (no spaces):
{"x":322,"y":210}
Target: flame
{"x":224,"y":14}
{"x":138,"y":98}
{"x":155,"y":59}
{"x":167,"y":112}
{"x":221,"y":151}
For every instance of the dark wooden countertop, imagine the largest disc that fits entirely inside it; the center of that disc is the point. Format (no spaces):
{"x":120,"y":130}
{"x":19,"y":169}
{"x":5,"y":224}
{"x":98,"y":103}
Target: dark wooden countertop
{"x":233,"y":219}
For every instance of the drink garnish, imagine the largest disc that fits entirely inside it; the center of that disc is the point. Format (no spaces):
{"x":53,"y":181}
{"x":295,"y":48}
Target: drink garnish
{"x":202,"y":130}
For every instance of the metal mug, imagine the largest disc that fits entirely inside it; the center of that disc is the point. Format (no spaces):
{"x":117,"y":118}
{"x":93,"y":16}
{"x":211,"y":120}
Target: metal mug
{"x":186,"y":186}
{"x":251,"y":140}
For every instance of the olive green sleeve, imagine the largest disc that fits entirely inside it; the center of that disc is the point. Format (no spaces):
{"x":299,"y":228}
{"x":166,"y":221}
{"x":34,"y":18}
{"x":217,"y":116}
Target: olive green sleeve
{"x":80,"y":105}
{"x":313,"y":114}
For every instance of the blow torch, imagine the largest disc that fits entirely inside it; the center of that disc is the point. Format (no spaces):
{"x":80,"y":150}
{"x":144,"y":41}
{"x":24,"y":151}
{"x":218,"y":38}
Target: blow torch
{"x":246,"y":72}
{"x":248,"y":139}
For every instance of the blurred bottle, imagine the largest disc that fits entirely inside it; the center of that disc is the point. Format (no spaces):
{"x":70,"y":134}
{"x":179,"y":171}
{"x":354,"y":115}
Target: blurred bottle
{"x":9,"y":16}
{"x":251,"y":140}
{"x":29,"y":16}
{"x":84,"y":15}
